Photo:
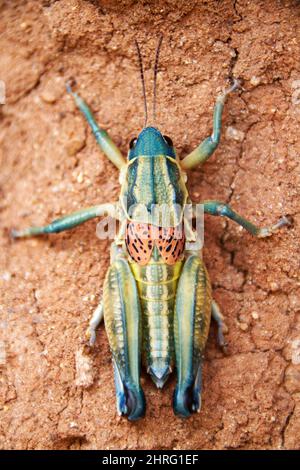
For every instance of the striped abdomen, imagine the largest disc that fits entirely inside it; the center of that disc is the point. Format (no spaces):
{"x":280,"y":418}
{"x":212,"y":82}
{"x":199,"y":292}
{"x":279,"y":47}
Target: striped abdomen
{"x":157,"y":283}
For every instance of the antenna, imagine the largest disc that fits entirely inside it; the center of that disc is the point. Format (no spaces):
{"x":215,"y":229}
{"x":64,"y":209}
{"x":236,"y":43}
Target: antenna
{"x":142,"y":79}
{"x":155,"y":75}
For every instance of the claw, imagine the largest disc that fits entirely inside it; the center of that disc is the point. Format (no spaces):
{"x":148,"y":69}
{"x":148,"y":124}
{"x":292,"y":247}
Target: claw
{"x":224,"y":348}
{"x":70,"y":83}
{"x":14,"y":234}
{"x":91,"y":336}
{"x":236,"y":84}
{"x":27,"y":232}
{"x":223,"y":329}
{"x":286,"y":220}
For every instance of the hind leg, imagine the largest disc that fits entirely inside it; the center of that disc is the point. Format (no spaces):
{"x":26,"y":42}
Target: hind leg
{"x":94,"y":323}
{"x":122,"y":317}
{"x":222,"y":327}
{"x":191,"y":327}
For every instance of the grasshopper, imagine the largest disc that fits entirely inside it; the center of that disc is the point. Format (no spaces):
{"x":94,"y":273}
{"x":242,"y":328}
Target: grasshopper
{"x":157,"y":298}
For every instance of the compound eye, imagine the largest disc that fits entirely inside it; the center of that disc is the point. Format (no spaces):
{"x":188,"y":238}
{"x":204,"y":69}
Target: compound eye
{"x":168,"y":140}
{"x":132,"y":143}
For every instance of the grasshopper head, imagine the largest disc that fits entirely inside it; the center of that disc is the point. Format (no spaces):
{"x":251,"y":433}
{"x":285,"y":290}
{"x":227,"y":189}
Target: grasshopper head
{"x":150,"y":143}
{"x":152,"y":181}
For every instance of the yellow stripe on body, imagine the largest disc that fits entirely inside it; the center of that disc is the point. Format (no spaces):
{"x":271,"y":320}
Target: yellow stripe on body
{"x":157,"y":284}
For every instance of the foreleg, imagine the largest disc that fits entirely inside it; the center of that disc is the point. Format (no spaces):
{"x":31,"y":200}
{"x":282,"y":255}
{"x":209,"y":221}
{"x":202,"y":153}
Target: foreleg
{"x":209,"y":145}
{"x":104,"y":141}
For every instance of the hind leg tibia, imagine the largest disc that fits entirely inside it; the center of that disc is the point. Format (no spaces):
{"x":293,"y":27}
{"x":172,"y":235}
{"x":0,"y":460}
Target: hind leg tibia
{"x":94,"y":323}
{"x":222,"y":327}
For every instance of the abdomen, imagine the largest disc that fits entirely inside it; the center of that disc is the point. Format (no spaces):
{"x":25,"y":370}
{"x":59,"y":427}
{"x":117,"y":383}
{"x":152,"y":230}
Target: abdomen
{"x":157,"y":283}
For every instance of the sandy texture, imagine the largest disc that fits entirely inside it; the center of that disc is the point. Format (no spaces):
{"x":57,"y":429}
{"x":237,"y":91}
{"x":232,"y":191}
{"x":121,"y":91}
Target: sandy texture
{"x":53,"y":397}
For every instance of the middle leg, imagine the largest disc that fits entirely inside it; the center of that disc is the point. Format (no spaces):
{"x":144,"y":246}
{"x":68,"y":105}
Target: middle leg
{"x":224,"y":210}
{"x":69,"y":221}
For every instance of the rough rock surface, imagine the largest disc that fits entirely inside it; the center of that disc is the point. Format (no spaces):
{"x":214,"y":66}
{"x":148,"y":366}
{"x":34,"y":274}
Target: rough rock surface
{"x":51,"y":396}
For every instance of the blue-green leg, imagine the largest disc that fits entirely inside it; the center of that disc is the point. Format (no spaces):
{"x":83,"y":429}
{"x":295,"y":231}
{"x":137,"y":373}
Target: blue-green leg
{"x":191,"y":327}
{"x":224,"y":210}
{"x":209,"y":145}
{"x":122,"y":317}
{"x":94,"y":323}
{"x":69,"y":221}
{"x":222,"y":328}
{"x":102,"y":137}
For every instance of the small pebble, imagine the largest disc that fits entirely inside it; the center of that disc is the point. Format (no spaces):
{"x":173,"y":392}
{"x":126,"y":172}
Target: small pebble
{"x":255,"y":315}
{"x":6,"y":276}
{"x":25,"y":26}
{"x":274,"y":286}
{"x":292,"y":378}
{"x":80,"y":178}
{"x":235,"y":134}
{"x":73,"y":425}
{"x":74,"y":145}
{"x":296,"y":352}
{"x":58,"y":187}
{"x":84,"y":369}
{"x":53,"y":90}
{"x":243,"y":326}
{"x":255,"y":80}
{"x":2,"y":354}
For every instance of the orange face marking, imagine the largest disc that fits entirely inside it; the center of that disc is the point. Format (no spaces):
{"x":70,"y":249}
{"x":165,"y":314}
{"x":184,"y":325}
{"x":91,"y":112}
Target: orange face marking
{"x":141,"y":239}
